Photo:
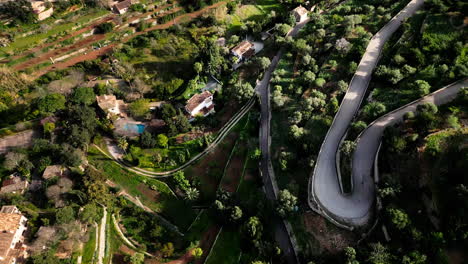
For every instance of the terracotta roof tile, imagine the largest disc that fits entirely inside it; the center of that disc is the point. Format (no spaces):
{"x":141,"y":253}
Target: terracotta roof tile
{"x":196,"y":100}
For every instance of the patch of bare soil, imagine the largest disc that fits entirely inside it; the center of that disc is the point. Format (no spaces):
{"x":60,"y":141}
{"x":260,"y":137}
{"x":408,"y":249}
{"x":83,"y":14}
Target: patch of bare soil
{"x":190,"y":136}
{"x":227,"y":114}
{"x":206,"y":242}
{"x":187,"y":258}
{"x":152,"y":195}
{"x":126,"y":250}
{"x":456,"y":257}
{"x":212,"y":163}
{"x":331,"y":240}
{"x":233,"y":174}
{"x":119,"y":259}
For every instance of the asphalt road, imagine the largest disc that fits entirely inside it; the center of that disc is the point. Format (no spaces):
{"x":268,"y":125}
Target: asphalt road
{"x":369,"y":140}
{"x":352,"y":209}
{"x":283,"y":234}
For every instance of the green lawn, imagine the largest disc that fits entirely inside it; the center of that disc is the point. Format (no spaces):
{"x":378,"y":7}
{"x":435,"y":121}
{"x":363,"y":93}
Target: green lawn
{"x":227,"y":248}
{"x":199,"y":226}
{"x":89,"y":247}
{"x":167,"y":204}
{"x":253,"y":12}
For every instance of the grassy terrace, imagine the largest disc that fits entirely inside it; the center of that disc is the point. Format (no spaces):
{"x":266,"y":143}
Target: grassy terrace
{"x":162,"y":200}
{"x":89,"y":247}
{"x":251,"y":12}
{"x":226,"y":249}
{"x":23,"y":43}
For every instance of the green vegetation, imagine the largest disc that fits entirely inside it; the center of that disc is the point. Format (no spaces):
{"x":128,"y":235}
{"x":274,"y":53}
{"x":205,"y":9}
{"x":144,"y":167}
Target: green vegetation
{"x":21,"y":43}
{"x":226,"y":249}
{"x":90,"y":246}
{"x":425,"y":55}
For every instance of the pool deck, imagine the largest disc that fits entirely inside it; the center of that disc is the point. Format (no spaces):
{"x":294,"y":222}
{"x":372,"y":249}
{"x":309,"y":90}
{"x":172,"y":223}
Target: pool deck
{"x":121,"y":127}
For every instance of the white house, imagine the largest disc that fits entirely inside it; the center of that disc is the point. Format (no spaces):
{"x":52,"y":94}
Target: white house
{"x":112,"y":106}
{"x":300,"y":13}
{"x":12,"y":227}
{"x":41,"y":10}
{"x":123,"y":6}
{"x":200,"y":104}
{"x":244,"y":50}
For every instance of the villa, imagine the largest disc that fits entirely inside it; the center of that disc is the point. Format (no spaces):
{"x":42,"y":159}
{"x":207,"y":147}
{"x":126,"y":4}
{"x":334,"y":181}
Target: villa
{"x":41,"y":10}
{"x":122,"y":7}
{"x":300,"y":13}
{"x":109,"y":104}
{"x":244,"y":50}
{"x":200,"y":105}
{"x":14,"y":184}
{"x":12,"y":227}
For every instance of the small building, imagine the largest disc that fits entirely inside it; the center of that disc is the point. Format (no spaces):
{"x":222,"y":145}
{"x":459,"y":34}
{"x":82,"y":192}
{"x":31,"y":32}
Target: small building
{"x":122,"y":7}
{"x":54,"y":171}
{"x":41,"y":10}
{"x":12,"y":228}
{"x":14,"y":184}
{"x":300,"y":13}
{"x":244,"y":50}
{"x":112,"y":106}
{"x":200,"y":104}
{"x":221,"y":42}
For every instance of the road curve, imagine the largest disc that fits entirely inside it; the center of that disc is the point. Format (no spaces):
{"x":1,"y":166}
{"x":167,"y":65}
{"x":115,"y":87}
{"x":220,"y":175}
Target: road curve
{"x":369,"y":140}
{"x":324,"y":188}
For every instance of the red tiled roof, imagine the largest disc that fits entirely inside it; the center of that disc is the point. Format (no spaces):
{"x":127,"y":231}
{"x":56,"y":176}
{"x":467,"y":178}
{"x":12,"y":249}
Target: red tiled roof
{"x":196,"y":100}
{"x":243,"y":47}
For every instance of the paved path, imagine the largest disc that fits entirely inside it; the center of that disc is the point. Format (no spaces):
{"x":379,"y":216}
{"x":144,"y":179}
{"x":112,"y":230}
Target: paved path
{"x":102,"y":237}
{"x":324,"y":187}
{"x":283,"y":230}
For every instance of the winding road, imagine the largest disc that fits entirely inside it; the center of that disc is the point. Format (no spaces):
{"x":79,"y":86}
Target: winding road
{"x":325,"y":195}
{"x":283,"y":232}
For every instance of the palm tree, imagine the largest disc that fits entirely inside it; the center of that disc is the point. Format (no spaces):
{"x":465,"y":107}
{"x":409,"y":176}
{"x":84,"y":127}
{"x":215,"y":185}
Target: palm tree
{"x":192,"y":194}
{"x":123,"y":144}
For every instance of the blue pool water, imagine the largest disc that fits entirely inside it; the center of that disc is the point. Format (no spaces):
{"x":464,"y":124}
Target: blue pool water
{"x":135,"y":128}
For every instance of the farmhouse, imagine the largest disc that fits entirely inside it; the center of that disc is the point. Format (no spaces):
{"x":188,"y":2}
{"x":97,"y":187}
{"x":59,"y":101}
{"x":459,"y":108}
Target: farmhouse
{"x":200,"y":104}
{"x":14,"y":184}
{"x":300,"y":13}
{"x":40,"y":8}
{"x":122,"y":7}
{"x":112,"y":106}
{"x":243,"y":50}
{"x":12,"y":227}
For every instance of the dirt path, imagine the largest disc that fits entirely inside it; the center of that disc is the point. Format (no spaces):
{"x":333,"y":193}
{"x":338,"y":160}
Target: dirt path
{"x":106,"y":49}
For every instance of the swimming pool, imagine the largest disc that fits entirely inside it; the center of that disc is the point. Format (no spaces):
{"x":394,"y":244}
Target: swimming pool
{"x":134,"y":128}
